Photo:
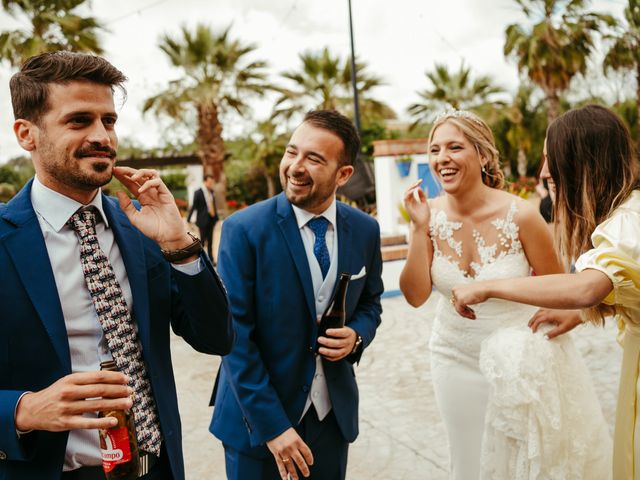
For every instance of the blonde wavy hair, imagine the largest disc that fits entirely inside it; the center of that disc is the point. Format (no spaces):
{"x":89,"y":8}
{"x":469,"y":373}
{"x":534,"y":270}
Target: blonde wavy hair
{"x":481,"y":137}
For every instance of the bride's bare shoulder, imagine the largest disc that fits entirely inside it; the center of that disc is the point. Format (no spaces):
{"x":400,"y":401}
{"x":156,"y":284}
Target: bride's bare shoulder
{"x":524,"y":208}
{"x":526,"y":215}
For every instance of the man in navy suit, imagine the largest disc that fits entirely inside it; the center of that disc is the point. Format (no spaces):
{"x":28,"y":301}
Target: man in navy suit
{"x":139,"y":258}
{"x":280,"y":409}
{"x":204,"y":205}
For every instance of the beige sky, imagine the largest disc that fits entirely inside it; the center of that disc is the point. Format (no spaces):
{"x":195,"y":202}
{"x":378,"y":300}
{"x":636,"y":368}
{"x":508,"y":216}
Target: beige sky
{"x":399,"y":40}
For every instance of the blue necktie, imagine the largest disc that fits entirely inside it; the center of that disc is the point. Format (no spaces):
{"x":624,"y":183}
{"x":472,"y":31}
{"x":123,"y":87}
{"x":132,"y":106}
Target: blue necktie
{"x":319,"y":227}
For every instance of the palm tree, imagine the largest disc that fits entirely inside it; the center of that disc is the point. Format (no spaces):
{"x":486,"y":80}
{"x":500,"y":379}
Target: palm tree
{"x":624,"y":54}
{"x":266,"y":149}
{"x":524,"y":125}
{"x":453,"y":91}
{"x":52,"y":26}
{"x":217,"y":78}
{"x":324,"y":82}
{"x":556,"y":48}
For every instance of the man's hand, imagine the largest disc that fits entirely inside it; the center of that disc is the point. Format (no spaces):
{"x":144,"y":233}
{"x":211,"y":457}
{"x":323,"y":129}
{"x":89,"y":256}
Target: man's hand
{"x":564,"y":321}
{"x":289,"y":450}
{"x":159,"y":217}
{"x":338,"y":344}
{"x":60,"y":406}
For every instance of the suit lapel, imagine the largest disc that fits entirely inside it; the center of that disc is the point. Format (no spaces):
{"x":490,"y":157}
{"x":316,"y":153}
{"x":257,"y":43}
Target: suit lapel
{"x":129,"y":242}
{"x":291,"y":233}
{"x":345,"y":252}
{"x":28,"y":251}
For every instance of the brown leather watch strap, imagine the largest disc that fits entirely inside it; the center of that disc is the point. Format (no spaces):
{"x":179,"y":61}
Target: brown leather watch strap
{"x":190,"y":250}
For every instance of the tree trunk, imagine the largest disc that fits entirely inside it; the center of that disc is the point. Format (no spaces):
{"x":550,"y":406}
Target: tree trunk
{"x":506,"y":168}
{"x":271,"y":188}
{"x":553,"y":106}
{"x":522,"y":162}
{"x":211,"y":150}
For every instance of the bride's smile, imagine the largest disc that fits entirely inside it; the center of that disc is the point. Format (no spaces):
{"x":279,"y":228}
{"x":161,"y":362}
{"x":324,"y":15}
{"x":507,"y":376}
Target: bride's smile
{"x":454,"y":159}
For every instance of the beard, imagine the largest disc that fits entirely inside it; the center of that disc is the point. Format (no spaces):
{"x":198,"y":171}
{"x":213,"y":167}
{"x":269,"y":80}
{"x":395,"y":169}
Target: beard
{"x":317,"y":194}
{"x":72,"y":170}
{"x":99,"y":175}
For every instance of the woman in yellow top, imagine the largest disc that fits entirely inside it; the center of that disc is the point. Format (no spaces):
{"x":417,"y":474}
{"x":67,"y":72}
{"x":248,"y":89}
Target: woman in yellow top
{"x":595,"y":178}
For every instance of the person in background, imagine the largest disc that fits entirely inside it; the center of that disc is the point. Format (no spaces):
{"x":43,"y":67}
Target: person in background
{"x":204,"y":206}
{"x":546,"y":204}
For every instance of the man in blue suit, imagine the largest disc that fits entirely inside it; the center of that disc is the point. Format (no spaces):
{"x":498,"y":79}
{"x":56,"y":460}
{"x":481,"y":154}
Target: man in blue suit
{"x":86,"y":278}
{"x":281,"y":409}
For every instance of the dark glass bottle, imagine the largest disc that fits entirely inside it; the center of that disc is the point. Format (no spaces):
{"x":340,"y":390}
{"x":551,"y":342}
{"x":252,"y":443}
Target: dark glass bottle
{"x":118,"y":444}
{"x":335,"y":314}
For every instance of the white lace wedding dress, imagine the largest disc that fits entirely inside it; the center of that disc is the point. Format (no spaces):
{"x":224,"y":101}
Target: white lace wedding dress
{"x":515,"y":406}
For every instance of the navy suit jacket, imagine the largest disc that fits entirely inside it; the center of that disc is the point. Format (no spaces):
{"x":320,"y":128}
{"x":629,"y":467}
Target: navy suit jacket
{"x":34,"y":348}
{"x":203,"y":219}
{"x":264,"y":382}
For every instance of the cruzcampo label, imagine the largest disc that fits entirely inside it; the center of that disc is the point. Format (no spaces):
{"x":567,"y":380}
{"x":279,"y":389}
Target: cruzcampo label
{"x":116,"y":448}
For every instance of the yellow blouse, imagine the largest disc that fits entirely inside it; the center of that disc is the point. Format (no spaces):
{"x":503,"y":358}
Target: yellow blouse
{"x":616,"y":253}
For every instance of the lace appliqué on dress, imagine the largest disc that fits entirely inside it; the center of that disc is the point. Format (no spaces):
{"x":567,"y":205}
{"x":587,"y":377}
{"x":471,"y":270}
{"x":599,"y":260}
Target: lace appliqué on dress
{"x":440,"y":227}
{"x":508,"y":232}
{"x":543,"y":419}
{"x":508,"y":239}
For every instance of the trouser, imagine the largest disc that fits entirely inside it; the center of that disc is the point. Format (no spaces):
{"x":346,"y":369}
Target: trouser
{"x":324,"y":438}
{"x":159,"y":470}
{"x":206,"y":235}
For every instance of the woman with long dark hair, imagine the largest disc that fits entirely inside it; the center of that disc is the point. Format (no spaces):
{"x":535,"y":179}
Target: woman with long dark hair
{"x":595,"y":177}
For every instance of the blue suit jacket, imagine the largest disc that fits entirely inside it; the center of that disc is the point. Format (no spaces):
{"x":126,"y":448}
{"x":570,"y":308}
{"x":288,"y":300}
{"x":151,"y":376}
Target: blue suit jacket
{"x":264,"y":382}
{"x":34,"y":349}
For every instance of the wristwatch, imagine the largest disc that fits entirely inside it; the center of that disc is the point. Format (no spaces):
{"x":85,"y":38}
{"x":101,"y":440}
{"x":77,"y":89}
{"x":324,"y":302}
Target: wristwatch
{"x":190,"y":250}
{"x":356,"y":346}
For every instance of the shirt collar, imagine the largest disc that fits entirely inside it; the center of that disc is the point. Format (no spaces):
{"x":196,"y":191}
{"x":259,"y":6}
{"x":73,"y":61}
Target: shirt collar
{"x":303,"y":216}
{"x":56,"y":208}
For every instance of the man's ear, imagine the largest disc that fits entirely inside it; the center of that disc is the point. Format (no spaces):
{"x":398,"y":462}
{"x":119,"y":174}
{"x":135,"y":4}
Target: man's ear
{"x":26,"y":133}
{"x":344,"y":174}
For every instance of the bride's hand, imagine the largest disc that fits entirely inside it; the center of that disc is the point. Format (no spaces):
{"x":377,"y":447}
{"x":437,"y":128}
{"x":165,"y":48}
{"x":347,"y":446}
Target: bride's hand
{"x":564,"y":321}
{"x":415,"y":202}
{"x":464,"y":295}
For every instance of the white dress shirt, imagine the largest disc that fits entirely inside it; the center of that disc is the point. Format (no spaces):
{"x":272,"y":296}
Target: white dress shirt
{"x":322,"y":290}
{"x":87,"y":343}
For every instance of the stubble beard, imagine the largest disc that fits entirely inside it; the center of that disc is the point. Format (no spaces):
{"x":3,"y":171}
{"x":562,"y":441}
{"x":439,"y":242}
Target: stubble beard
{"x":70,"y":170}
{"x":310,"y":200}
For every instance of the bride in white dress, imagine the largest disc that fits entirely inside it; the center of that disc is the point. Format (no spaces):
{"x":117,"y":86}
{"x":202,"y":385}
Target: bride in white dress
{"x":515,"y":405}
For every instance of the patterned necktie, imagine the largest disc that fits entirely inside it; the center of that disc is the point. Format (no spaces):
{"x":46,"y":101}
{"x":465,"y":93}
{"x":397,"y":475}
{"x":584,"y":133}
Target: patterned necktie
{"x":118,"y":327}
{"x":319,"y":227}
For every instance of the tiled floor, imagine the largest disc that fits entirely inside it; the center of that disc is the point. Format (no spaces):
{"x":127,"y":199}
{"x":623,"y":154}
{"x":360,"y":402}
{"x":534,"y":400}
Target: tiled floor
{"x":401,"y":435}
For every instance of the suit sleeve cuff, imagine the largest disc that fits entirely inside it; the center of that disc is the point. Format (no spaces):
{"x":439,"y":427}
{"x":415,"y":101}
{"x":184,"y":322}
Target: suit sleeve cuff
{"x":191,"y":268}
{"x":11,"y":444}
{"x":15,"y":412}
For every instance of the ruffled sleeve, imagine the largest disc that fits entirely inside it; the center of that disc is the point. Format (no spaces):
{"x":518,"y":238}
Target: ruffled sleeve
{"x":616,"y":253}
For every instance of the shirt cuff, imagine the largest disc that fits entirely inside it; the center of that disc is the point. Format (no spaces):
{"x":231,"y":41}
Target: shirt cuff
{"x":191,"y":268}
{"x":20,"y":432}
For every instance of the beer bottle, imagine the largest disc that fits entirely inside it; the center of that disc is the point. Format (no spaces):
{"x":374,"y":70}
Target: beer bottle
{"x":335,"y":314}
{"x":118,"y":444}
